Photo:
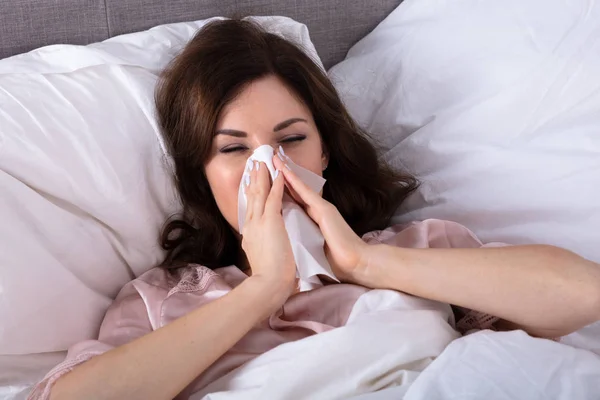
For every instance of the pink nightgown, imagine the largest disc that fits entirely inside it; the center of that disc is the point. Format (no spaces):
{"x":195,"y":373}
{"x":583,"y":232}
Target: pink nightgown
{"x":158,"y":297}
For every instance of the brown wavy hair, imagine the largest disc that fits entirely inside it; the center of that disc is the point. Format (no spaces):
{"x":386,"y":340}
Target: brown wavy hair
{"x":214,"y":67}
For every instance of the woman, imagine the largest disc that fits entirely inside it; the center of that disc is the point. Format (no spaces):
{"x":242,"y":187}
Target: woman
{"x":176,"y":329}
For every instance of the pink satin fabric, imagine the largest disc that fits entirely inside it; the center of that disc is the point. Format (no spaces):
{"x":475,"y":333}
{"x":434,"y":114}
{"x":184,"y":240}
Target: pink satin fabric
{"x":157,"y":298}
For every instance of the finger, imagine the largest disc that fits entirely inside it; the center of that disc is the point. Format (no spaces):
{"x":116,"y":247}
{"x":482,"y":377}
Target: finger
{"x":249,"y":192}
{"x":261,"y":188}
{"x":299,"y":190}
{"x":275,"y":198}
{"x":314,"y":205}
{"x":281,"y":165}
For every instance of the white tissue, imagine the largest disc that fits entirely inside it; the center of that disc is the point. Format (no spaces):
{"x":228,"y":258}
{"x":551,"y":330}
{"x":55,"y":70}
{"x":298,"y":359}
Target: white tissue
{"x":305,"y":236}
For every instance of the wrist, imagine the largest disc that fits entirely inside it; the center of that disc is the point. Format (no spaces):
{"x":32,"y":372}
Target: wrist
{"x":272,"y":292}
{"x":374,"y":266}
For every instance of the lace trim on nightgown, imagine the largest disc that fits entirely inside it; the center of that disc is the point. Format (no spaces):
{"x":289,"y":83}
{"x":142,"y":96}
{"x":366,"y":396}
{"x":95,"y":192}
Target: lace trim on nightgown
{"x":476,"y":320}
{"x":192,"y":278}
{"x":42,"y":389}
{"x":472,"y":319}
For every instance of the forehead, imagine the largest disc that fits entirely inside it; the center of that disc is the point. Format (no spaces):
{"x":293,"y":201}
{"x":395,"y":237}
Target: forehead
{"x":266,"y":101}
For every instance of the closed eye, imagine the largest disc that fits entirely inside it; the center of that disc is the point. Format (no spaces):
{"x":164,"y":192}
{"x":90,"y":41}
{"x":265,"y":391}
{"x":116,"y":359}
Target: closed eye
{"x":295,"y":138}
{"x":232,"y":149}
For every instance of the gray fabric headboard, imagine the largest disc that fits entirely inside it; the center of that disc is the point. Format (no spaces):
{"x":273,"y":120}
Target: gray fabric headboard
{"x":334,"y":25}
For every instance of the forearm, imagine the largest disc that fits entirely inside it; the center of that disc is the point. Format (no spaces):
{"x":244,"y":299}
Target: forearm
{"x":161,"y":364}
{"x":545,"y":290}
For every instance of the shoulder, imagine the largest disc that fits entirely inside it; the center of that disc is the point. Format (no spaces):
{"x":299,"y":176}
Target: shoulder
{"x":430,"y":233}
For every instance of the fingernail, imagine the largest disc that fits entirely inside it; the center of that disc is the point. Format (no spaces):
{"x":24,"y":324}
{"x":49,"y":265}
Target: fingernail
{"x":280,"y":157}
{"x":276,"y":174}
{"x":281,"y":150}
{"x":249,"y":165}
{"x":257,"y":165}
{"x":287,"y":166}
{"x":247,"y":180}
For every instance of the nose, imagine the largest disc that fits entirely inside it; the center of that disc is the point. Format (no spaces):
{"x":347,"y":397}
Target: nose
{"x":264,"y":154}
{"x":265,"y":149}
{"x":263,"y":138}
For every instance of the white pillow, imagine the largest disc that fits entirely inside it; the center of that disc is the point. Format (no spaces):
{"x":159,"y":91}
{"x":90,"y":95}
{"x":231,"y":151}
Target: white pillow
{"x":85,"y":190}
{"x":495,"y":106}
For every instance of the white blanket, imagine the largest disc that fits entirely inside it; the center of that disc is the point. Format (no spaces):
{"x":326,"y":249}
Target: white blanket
{"x":389,"y":339}
{"x":509,"y":366}
{"x":396,"y":346}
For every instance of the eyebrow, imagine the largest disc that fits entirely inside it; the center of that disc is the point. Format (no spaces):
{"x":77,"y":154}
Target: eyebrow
{"x":286,"y":123}
{"x":280,"y":126}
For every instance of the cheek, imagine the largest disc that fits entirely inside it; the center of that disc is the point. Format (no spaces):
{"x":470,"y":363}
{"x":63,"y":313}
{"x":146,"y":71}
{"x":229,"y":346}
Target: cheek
{"x":224,"y":180}
{"x":308,"y":156}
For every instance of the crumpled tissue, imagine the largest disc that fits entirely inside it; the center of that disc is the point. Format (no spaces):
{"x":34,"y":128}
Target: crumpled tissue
{"x":305,"y":236}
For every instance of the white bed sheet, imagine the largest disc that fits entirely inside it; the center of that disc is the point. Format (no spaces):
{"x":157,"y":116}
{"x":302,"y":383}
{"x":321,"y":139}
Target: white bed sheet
{"x":503,"y":366}
{"x":18,"y":373}
{"x":509,"y":366}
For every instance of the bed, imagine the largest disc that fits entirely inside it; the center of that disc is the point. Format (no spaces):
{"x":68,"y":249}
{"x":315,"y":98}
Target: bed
{"x":495,"y":107}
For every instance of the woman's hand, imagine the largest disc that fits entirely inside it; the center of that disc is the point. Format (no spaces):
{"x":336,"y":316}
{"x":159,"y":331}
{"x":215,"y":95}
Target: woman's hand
{"x":264,"y":237}
{"x":347,"y":253}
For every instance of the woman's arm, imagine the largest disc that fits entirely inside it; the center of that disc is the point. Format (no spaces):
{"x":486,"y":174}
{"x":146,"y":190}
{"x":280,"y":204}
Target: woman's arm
{"x":162,"y":363}
{"x":544,"y":290}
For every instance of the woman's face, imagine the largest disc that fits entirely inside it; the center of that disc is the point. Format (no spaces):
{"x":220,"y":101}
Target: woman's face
{"x":266,"y":112}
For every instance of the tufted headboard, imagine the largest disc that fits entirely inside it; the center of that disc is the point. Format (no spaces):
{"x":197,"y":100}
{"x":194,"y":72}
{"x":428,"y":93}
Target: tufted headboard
{"x":334,"y":25}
